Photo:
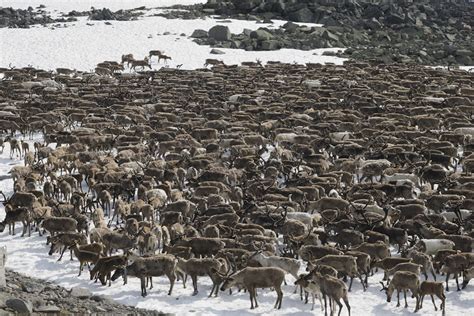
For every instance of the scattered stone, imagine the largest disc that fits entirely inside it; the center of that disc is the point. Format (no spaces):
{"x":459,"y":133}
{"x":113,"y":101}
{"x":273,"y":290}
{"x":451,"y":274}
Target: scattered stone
{"x":120,"y":15}
{"x":18,"y":18}
{"x":381,"y":31}
{"x":49,"y":298}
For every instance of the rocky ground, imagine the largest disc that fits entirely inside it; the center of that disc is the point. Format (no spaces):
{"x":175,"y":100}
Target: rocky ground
{"x":426,"y":31}
{"x":430,"y":32}
{"x":24,"y":295}
{"x":18,"y":18}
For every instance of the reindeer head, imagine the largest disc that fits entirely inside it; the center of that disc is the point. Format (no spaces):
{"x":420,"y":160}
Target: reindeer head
{"x":388,"y":290}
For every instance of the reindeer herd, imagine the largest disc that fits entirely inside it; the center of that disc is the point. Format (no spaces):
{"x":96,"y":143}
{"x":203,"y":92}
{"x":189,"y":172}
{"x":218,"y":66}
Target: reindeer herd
{"x":247,"y":174}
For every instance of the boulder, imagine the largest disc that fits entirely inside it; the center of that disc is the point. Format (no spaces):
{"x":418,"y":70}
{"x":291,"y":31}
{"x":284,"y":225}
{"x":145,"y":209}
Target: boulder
{"x":463,"y":52}
{"x":464,"y":60}
{"x":302,"y":15}
{"x":270,"y":45}
{"x":199,"y":34}
{"x":394,"y":19}
{"x":261,"y":35}
{"x":220,"y":33}
{"x":330,"y":36}
{"x":216,"y":51}
{"x":290,"y":26}
{"x":48,"y":309}
{"x":247,"y":32}
{"x":80,"y":292}
{"x":246,"y":5}
{"x":19,"y":306}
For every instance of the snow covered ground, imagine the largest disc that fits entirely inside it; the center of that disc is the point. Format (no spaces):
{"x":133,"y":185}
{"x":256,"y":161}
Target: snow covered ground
{"x":29,"y":255}
{"x":82,"y":5}
{"x":83,"y":44}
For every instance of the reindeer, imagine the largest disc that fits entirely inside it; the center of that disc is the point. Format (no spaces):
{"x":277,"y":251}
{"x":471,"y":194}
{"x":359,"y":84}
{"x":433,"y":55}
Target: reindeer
{"x":213,"y":62}
{"x":253,"y":278}
{"x":140,"y":63}
{"x":164,"y":57}
{"x":403,"y":280}
{"x":127,"y":58}
{"x":157,"y":53}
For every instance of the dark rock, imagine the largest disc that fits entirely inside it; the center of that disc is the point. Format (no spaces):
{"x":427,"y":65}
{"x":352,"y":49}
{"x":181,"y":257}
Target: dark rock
{"x":463,"y":52}
{"x":302,"y":15}
{"x":330,"y":36}
{"x":199,"y":34}
{"x":270,"y":45}
{"x":290,"y":26}
{"x":19,"y":305}
{"x":247,"y":32}
{"x":261,"y":35}
{"x":246,"y":5}
{"x":104,"y":14}
{"x":464,"y":60}
{"x":216,"y":51}
{"x":329,"y":53}
{"x":220,"y":33}
{"x":31,"y":287}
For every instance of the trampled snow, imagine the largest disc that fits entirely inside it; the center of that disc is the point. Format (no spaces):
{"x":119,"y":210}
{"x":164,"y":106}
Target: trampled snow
{"x":82,"y":46}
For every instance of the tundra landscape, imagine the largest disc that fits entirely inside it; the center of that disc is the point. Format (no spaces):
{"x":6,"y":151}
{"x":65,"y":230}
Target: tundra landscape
{"x":236,"y":157}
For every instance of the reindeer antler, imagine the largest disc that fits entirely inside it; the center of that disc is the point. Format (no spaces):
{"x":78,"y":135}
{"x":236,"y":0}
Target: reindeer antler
{"x":5,"y":200}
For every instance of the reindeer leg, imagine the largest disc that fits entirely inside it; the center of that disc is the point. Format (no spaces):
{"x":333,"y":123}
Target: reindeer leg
{"x":362,"y":282}
{"x":62,"y":253}
{"x":405,"y":295}
{"x":24,"y":229}
{"x":457,"y":281}
{"x":434,"y":304}
{"x":171,"y":278}
{"x":340,"y":307}
{"x":346,"y":301}
{"x":143,"y":286}
{"x":251,"y":298}
{"x":255,"y":297}
{"x":325,"y":305}
{"x":398,"y":298}
{"x":350,"y":285}
{"x":433,"y":273}
{"x":194,"y":278}
{"x":447,"y":280}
